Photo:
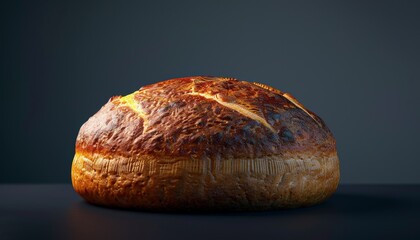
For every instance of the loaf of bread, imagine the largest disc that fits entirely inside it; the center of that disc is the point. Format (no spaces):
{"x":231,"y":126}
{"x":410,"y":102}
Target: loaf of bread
{"x":205,"y":143}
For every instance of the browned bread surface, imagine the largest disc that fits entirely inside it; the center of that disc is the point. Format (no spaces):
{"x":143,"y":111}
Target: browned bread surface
{"x":205,"y":143}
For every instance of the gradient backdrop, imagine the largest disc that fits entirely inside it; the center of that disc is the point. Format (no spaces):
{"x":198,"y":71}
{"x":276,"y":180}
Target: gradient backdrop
{"x":355,"y":63}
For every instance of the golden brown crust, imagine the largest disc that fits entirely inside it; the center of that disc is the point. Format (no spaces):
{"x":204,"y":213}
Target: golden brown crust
{"x":207,"y":120}
{"x":180,"y":119}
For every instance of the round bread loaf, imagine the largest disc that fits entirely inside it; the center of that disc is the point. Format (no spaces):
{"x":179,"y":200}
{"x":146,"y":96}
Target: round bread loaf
{"x":205,"y":143}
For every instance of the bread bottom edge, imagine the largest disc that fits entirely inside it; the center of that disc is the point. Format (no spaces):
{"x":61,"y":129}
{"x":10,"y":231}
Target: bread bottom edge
{"x":236,"y":185}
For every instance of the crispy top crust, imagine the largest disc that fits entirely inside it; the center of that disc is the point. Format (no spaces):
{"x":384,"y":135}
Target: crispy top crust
{"x":205,"y":117}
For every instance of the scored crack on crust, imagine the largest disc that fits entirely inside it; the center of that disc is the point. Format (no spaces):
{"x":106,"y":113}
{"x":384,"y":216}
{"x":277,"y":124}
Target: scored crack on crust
{"x":229,"y":138}
{"x":242,"y":110}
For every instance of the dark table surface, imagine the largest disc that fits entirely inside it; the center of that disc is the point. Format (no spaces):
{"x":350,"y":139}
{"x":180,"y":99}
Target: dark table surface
{"x":354,"y":212}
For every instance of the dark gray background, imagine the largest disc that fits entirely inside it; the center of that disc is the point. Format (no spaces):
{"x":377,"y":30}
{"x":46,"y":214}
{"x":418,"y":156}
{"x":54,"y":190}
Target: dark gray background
{"x":355,"y":63}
